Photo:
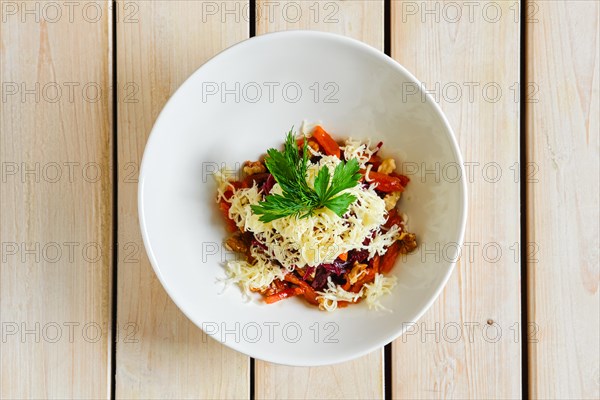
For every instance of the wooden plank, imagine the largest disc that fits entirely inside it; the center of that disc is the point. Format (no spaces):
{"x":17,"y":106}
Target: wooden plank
{"x":160,"y":43}
{"x":363,"y":377}
{"x":359,"y":19}
{"x":56,"y":196}
{"x":563,"y":125}
{"x":468,"y":344}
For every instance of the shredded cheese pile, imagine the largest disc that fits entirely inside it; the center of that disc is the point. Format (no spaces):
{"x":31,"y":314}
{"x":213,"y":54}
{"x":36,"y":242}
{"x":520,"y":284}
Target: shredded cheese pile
{"x":322,"y":237}
{"x":314,"y":240}
{"x":382,"y":285}
{"x":253,"y":277}
{"x":328,"y":299}
{"x":370,"y":292}
{"x":358,"y":150}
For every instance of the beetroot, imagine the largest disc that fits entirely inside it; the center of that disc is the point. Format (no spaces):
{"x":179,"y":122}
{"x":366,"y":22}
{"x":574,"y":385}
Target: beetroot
{"x":268,"y":185}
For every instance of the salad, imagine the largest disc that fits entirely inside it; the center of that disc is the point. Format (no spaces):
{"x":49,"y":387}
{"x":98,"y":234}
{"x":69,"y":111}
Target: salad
{"x":316,"y":220}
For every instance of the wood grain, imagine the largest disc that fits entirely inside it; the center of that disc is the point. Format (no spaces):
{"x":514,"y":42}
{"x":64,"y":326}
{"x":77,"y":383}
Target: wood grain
{"x":563,"y":125}
{"x":361,"y":378}
{"x":167,"y":356}
{"x":359,"y":19}
{"x":56,"y":196}
{"x":468,"y":345}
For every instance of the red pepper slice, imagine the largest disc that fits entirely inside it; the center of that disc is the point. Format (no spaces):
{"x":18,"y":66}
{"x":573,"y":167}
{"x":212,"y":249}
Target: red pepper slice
{"x":403,"y":178}
{"x":256,"y":178}
{"x":375,"y":161}
{"x":393,"y":219}
{"x":386,"y":183}
{"x":326,"y":142}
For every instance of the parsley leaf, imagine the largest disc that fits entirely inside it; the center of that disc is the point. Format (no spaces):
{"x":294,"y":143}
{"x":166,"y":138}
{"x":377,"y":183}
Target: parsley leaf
{"x":289,"y":169}
{"x":340,"y":204}
{"x":345,"y":176}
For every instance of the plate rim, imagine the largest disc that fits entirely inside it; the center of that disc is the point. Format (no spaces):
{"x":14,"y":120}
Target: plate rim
{"x":429,"y":99}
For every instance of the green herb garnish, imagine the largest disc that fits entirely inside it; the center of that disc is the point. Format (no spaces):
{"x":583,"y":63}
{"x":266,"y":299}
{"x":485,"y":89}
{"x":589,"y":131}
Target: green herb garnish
{"x":289,"y":170}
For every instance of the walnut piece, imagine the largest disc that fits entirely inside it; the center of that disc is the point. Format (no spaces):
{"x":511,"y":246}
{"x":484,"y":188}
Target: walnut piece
{"x":357,"y":272}
{"x":236,"y":243}
{"x":314,"y":145}
{"x":387,"y":166}
{"x":254,"y":167}
{"x":408,"y":242}
{"x":391,"y":199}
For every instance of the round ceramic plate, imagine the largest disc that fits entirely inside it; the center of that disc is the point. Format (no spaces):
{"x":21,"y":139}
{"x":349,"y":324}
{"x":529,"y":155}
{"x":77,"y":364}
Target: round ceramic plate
{"x":235,"y":107}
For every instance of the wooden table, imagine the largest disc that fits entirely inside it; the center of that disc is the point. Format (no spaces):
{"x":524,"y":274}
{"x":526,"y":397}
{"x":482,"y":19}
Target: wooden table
{"x":82,"y":312}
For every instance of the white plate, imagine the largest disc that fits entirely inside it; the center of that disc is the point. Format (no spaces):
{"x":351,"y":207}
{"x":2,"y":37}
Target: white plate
{"x":219,"y":117}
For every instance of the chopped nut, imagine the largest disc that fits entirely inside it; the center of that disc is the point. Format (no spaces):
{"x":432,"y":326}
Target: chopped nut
{"x":313,"y":145}
{"x":387,"y":166}
{"x":269,"y":290}
{"x":237,"y":244}
{"x":357,"y":272}
{"x":391,"y":199}
{"x":408,"y":243}
{"x":254,"y":167}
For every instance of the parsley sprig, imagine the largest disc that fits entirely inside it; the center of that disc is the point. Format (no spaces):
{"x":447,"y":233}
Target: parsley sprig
{"x":289,"y":169}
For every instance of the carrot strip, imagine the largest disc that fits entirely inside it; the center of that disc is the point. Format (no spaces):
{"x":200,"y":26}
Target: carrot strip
{"x":365,"y":279}
{"x":294,"y":279}
{"x":346,"y":285}
{"x":326,"y":141}
{"x":311,"y":143}
{"x":309,"y":293}
{"x":375,"y":263}
{"x":284,"y":294}
{"x":389,"y":258}
{"x":280,"y":286}
{"x":343,"y":256}
{"x":224,"y":207}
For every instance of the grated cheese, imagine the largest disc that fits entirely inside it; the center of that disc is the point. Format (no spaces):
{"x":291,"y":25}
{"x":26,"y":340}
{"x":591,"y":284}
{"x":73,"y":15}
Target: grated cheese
{"x":223,"y":178}
{"x":381,"y":285}
{"x":322,"y":237}
{"x":253,"y":277}
{"x":328,"y":299}
{"x":358,"y":150}
{"x":313,"y":240}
